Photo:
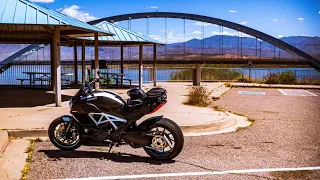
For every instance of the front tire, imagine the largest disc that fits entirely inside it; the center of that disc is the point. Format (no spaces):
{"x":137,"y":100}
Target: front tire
{"x":60,"y":139}
{"x":167,"y":141}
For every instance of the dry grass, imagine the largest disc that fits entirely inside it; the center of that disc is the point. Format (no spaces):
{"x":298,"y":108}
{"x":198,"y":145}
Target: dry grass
{"x":29,"y":150}
{"x":197,"y":96}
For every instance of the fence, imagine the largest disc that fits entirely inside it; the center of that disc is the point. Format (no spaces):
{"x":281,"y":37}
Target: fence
{"x":171,"y":74}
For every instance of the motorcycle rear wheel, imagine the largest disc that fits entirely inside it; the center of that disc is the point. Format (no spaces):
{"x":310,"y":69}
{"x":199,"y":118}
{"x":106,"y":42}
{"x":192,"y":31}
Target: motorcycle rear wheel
{"x":58,"y":137}
{"x":167,"y":141}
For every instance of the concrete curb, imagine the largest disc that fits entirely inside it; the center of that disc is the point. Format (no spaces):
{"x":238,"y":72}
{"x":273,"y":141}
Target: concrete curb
{"x":218,"y":92}
{"x":28,"y":133}
{"x":215,"y":126}
{"x":4,"y":140}
{"x":274,"y":86}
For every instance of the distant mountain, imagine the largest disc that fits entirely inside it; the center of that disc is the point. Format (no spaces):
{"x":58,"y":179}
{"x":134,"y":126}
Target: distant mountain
{"x":310,"y":45}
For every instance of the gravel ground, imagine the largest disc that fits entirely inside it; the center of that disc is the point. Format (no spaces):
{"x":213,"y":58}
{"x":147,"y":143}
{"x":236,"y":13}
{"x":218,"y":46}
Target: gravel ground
{"x":285,"y":134}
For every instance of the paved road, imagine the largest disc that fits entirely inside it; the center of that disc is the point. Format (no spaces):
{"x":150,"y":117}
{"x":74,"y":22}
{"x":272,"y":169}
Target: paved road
{"x":284,"y":135}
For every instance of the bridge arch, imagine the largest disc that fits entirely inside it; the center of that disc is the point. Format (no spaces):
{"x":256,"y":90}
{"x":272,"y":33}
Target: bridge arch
{"x":255,"y":33}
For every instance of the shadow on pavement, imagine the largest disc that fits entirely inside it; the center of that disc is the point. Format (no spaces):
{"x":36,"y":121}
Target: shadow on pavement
{"x":13,"y":97}
{"x":116,"y":157}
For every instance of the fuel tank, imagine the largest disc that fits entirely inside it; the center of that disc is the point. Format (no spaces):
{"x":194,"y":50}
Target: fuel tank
{"x":102,"y":101}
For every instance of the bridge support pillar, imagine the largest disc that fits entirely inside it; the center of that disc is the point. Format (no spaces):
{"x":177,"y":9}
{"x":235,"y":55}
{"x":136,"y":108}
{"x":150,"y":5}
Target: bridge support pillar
{"x":75,"y":64}
{"x":83,"y":62}
{"x":154,"y":65}
{"x":96,"y":59}
{"x":140,"y":65}
{"x":55,"y":49}
{"x":197,"y":75}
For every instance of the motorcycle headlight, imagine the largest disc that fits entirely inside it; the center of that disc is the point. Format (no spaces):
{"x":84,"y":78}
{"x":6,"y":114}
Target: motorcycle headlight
{"x":70,"y":103}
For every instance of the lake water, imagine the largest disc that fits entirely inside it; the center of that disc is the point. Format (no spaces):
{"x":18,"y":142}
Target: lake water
{"x":163,"y":74}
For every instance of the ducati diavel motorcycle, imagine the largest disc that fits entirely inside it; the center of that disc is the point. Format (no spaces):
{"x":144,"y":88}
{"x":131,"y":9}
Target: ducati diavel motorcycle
{"x":103,"y":118}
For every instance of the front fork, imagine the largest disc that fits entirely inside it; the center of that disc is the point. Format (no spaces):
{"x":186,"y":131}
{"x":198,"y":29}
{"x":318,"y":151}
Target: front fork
{"x":70,"y":121}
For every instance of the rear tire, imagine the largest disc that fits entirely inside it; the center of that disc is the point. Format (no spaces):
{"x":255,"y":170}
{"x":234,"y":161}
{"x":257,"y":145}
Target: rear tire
{"x":177,"y":135}
{"x":53,"y":133}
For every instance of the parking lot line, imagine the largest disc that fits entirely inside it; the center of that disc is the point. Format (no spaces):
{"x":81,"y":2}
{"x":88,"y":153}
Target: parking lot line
{"x":242,"y":171}
{"x":311,"y":93}
{"x":296,"y":92}
{"x":283,"y":92}
{"x":252,"y":92}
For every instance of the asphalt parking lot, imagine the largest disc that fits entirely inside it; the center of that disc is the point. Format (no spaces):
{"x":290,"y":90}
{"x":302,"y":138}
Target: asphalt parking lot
{"x":285,"y":134}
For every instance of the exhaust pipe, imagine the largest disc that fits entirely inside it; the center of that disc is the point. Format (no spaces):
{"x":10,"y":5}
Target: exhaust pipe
{"x":137,"y":140}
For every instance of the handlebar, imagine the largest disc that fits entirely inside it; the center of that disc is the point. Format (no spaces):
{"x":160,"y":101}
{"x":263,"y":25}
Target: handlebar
{"x":88,"y":85}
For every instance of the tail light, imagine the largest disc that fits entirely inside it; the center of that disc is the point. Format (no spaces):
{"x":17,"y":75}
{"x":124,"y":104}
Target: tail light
{"x":158,"y":107}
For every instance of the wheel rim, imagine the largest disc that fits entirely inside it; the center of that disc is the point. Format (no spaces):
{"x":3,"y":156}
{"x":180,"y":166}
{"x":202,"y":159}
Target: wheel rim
{"x":59,"y":135}
{"x":163,"y":141}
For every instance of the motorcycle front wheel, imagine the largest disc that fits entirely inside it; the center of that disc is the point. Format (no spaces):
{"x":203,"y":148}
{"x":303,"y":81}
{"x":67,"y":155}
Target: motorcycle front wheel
{"x":167,"y":140}
{"x":62,"y":140}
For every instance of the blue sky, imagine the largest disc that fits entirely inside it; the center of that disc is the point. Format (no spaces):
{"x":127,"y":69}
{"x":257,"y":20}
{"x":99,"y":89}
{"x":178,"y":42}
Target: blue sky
{"x":275,"y":17}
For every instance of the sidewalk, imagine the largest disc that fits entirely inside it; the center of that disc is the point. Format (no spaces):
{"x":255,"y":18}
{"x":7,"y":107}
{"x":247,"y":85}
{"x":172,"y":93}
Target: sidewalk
{"x":40,"y":117}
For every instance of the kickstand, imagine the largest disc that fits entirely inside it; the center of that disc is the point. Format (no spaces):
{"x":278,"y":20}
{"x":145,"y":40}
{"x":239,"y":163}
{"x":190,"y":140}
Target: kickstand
{"x":111,"y":146}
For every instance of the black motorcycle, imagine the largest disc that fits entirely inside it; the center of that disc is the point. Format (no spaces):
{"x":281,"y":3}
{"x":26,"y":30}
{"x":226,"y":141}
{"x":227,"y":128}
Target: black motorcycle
{"x":103,"y":118}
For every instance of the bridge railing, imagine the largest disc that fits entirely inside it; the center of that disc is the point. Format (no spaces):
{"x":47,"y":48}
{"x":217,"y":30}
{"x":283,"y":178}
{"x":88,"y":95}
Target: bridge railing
{"x":170,"y":73}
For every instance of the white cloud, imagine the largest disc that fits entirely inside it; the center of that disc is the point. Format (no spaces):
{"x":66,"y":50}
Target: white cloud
{"x":154,"y":7}
{"x":300,"y":19}
{"x":42,"y":1}
{"x":227,"y":33}
{"x":74,"y":12}
{"x":280,"y":36}
{"x":319,"y":12}
{"x":171,"y":38}
{"x":277,"y":20}
{"x":233,"y":11}
{"x":196,"y":32}
{"x":198,"y":23}
{"x":244,"y":22}
{"x":59,"y":9}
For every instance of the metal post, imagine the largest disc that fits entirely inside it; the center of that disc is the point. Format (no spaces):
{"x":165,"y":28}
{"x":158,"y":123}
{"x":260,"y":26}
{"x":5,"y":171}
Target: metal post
{"x":96,"y":59}
{"x":75,"y":64}
{"x":52,"y":67}
{"x":140,"y":65}
{"x":238,"y":44}
{"x":184,"y":39}
{"x":197,"y":75}
{"x":83,"y":61}
{"x":165,"y":39}
{"x":57,"y":67}
{"x":154,"y":65}
{"x":274,"y":51}
{"x":121,"y":62}
{"x":256,"y":47}
{"x":222,"y":40}
{"x":241,"y":45}
{"x":260,"y":48}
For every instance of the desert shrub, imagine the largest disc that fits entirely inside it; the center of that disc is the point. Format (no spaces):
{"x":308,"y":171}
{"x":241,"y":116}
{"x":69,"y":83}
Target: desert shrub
{"x":197,"y":96}
{"x":287,"y":77}
{"x":207,"y":74}
{"x":219,"y":74}
{"x":316,"y":82}
{"x":186,"y":74}
{"x":228,"y":84}
{"x":271,"y":78}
